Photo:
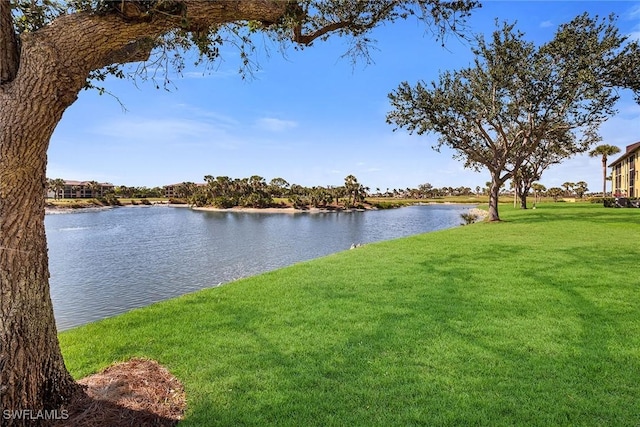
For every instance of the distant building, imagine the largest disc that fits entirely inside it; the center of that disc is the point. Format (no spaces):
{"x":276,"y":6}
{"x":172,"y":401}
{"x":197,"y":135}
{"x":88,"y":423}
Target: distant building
{"x":171,"y":191}
{"x":80,"y":190}
{"x":624,"y":177}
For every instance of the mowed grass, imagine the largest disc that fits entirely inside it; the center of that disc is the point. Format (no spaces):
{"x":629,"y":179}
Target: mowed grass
{"x":534,"y":321}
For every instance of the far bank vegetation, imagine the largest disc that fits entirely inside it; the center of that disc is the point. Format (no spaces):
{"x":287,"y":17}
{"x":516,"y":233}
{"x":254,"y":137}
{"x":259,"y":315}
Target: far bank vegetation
{"x":256,"y":192}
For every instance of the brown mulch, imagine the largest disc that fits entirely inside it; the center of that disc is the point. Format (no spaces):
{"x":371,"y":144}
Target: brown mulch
{"x":136,"y":393}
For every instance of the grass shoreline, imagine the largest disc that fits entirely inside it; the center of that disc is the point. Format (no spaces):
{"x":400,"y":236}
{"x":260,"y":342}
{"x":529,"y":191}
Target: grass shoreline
{"x":523,"y":322}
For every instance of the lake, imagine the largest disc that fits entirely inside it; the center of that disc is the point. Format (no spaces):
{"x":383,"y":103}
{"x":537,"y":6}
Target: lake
{"x":107,"y":262}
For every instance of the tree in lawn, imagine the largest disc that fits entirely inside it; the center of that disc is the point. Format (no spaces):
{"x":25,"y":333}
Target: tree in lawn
{"x":581,"y":188}
{"x":517,"y":96}
{"x":538,"y":189}
{"x":604,"y":151}
{"x":555,"y":192}
{"x":49,"y":51}
{"x":546,"y":154}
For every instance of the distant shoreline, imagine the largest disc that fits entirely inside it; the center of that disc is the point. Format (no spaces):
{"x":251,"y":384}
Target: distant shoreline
{"x":287,"y":210}
{"x":57,"y":209}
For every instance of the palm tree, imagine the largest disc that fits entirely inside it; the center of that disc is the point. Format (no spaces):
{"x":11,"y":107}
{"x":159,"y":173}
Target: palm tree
{"x":581,"y":188}
{"x":568,"y":188}
{"x":604,"y":150}
{"x":93,"y":187}
{"x":352,"y":187}
{"x":537,"y":189}
{"x":57,"y":185}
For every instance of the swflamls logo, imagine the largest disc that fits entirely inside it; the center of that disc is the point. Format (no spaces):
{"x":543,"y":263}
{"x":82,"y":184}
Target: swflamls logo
{"x":30,"y":414}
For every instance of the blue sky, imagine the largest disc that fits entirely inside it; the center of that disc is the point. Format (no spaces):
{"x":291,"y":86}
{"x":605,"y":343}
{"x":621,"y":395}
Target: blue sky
{"x":309,"y":116}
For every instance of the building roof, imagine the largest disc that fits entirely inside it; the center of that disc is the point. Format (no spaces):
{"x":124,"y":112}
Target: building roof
{"x":79,"y":183}
{"x":630,"y":150}
{"x":198,"y":184}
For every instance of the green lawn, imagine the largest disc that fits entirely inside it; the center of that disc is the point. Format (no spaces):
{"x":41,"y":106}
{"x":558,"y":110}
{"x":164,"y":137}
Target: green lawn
{"x":534,"y":321}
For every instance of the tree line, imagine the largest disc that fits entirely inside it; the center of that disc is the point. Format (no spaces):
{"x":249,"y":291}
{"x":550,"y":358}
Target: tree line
{"x":256,"y":192}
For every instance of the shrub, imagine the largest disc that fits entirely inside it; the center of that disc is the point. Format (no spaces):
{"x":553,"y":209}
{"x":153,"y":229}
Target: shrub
{"x":223,"y":202}
{"x":174,"y":201}
{"x":468,"y":218}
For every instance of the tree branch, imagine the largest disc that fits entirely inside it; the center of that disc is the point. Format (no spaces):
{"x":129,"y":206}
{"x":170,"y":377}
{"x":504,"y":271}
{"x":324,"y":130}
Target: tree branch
{"x":306,"y":39}
{"x":354,"y":26}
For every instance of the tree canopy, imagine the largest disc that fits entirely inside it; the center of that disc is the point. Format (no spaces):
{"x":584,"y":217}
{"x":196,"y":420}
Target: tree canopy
{"x":517,"y":97}
{"x":167,"y":29}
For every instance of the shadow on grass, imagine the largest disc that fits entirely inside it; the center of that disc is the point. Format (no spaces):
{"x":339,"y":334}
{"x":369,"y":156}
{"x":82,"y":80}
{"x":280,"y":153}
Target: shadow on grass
{"x":578,"y":214}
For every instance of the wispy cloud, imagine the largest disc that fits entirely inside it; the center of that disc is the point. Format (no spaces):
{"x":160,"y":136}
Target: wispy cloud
{"x":210,"y":74}
{"x":634,"y":12}
{"x":136,"y":130}
{"x":275,"y":125}
{"x":546,"y":24}
{"x":634,"y":15}
{"x":211,"y":117}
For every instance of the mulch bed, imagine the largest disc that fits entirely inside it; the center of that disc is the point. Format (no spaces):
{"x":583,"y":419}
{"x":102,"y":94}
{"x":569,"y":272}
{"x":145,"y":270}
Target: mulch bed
{"x":136,"y":393}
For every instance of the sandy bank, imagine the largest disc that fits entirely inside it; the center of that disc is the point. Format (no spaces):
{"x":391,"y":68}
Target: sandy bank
{"x":288,"y":210}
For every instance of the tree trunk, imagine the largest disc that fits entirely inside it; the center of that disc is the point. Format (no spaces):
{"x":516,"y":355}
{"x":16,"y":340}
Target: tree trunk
{"x":32,"y":376}
{"x":523,"y":201}
{"x":8,"y":44}
{"x":523,"y":191}
{"x":604,"y":176}
{"x":494,"y":192}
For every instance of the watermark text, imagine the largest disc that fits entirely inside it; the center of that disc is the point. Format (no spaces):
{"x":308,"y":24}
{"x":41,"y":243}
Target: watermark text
{"x":30,"y":414}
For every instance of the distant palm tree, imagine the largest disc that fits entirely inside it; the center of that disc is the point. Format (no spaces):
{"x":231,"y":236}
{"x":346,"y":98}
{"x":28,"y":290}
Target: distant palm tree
{"x":581,"y":188}
{"x":57,"y":185}
{"x":93,"y":187}
{"x":604,"y":150}
{"x":537,"y":189}
{"x":568,"y":188}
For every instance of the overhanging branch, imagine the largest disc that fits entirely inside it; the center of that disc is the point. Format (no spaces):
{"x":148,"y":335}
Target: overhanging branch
{"x":306,"y":39}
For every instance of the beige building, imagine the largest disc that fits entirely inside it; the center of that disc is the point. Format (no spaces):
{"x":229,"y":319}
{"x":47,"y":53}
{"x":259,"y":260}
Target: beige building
{"x":624,"y":178}
{"x":81,"y":190}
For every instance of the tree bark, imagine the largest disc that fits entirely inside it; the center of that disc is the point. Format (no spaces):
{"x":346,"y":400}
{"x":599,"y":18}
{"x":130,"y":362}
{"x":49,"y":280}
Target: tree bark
{"x":604,"y":176}
{"x":32,"y":372}
{"x":54,"y":63}
{"x":522,"y":194}
{"x":523,"y":201}
{"x":494,"y":192}
{"x":8,"y":44}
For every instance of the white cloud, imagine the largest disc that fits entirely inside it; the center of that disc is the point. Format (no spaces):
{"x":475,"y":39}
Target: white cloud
{"x":134,"y":131}
{"x":546,"y":24}
{"x":275,"y":125}
{"x":634,"y":12}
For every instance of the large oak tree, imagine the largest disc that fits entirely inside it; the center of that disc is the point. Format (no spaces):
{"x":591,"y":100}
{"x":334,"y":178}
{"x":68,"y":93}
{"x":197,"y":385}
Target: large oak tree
{"x":49,"y":51}
{"x":519,"y":98}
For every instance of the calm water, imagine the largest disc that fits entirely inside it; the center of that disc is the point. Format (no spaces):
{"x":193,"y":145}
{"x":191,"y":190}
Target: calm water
{"x":107,"y":262}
